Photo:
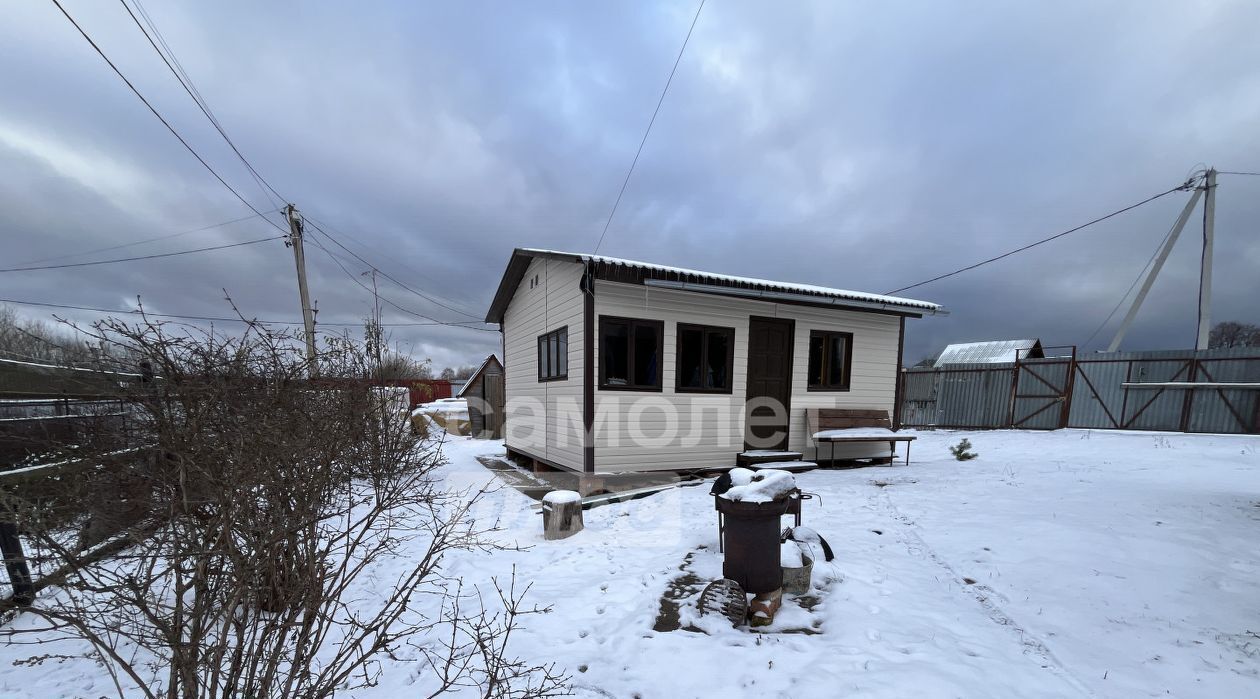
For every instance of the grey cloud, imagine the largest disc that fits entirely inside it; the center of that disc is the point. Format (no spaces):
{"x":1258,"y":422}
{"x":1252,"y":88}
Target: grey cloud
{"x":857,"y":145}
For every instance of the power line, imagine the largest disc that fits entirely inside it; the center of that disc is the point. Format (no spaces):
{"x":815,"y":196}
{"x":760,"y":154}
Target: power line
{"x":142,"y":242}
{"x":163,"y":119}
{"x":649,"y":127}
{"x":327,"y":229}
{"x":1179,"y":188}
{"x":1132,"y":286}
{"x":141,"y":257}
{"x":225,"y":319}
{"x":190,"y":87}
{"x":186,"y":82}
{"x":371,"y":266}
{"x":1235,"y":172}
{"x":376,"y":295}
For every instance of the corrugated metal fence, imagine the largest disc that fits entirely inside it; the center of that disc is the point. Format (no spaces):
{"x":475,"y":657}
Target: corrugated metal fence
{"x":1098,"y":391}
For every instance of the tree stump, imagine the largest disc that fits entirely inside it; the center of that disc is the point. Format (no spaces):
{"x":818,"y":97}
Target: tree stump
{"x":562,"y":514}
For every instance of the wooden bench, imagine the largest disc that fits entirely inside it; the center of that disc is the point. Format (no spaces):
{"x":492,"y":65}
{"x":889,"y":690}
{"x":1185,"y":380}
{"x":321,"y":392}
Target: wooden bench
{"x":844,"y":426}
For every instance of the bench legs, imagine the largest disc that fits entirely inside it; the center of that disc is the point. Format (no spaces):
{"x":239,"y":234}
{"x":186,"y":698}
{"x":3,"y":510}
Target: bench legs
{"x":892,"y":448}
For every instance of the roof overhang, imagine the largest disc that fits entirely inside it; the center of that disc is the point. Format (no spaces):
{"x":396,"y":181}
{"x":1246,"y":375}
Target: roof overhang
{"x":661,"y":276}
{"x":797,"y":298}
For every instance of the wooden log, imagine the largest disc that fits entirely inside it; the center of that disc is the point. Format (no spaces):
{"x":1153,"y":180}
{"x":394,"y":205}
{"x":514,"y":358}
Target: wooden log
{"x":562,"y":514}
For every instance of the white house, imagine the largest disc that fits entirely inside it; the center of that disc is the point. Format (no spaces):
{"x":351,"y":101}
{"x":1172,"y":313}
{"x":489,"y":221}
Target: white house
{"x":614,"y":365}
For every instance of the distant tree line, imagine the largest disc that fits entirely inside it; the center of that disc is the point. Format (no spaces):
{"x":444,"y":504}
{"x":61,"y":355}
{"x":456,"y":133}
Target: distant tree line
{"x":35,"y":341}
{"x":1234,"y":334}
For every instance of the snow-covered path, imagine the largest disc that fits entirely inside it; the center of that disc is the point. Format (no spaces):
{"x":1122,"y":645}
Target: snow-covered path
{"x":1068,"y":563}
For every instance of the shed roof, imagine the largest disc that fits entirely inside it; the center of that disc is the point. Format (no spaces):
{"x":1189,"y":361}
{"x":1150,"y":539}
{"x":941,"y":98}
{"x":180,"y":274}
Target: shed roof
{"x":990,"y":352}
{"x":705,"y":282}
{"x":469,"y":381}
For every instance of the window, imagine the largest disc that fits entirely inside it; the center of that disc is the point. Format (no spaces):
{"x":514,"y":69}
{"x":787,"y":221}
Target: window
{"x":553,"y":355}
{"x":705,"y":357}
{"x":830,"y":360}
{"x":630,"y":354}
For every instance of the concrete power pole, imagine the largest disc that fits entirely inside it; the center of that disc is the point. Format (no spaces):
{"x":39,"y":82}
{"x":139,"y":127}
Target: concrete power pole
{"x":1155,"y":269}
{"x":1205,"y":269}
{"x":299,"y":257}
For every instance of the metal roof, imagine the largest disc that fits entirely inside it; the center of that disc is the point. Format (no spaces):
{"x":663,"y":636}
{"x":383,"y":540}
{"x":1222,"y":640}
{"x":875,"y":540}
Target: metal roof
{"x":990,"y":352}
{"x":695,"y":280}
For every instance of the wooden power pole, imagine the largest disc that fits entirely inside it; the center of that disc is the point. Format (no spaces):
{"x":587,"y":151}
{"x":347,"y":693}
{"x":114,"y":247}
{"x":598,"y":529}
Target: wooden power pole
{"x":299,"y":258}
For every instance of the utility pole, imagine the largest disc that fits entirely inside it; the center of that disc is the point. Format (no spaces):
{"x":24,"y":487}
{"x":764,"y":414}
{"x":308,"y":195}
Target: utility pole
{"x":1155,"y":269}
{"x":299,"y":257}
{"x":1205,"y":268}
{"x":376,"y":334}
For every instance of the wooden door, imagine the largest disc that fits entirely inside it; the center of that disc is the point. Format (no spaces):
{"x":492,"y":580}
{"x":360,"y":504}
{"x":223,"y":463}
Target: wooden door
{"x":769,"y":379}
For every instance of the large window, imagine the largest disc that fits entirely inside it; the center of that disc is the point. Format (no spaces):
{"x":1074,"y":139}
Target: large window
{"x":553,"y":355}
{"x":630,"y":354}
{"x":830,"y":360}
{"x":705,"y":357}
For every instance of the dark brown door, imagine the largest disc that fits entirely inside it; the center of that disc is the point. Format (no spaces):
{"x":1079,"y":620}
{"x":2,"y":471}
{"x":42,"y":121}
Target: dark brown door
{"x":769,"y":383}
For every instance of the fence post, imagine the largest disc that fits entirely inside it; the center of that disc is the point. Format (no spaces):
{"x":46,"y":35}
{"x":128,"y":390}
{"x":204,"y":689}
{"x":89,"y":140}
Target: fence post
{"x":15,"y":562}
{"x":1069,"y":389}
{"x":1187,"y":402}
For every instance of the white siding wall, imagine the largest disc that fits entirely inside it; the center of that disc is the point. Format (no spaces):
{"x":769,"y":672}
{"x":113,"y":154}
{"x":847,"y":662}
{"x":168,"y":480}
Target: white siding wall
{"x":544,"y":418}
{"x":706,"y":431}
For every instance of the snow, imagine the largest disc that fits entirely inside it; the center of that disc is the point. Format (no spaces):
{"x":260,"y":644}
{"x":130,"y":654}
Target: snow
{"x":763,"y":485}
{"x":454,"y":407}
{"x":856,"y":432}
{"x":560,"y":497}
{"x":790,"y":555}
{"x":784,"y":465}
{"x":761,"y":453}
{"x":1068,"y":563}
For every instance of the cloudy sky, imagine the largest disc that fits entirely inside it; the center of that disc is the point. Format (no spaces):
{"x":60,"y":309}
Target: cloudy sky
{"x":860,"y":145}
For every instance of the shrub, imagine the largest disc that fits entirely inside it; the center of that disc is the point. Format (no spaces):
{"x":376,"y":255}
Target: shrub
{"x":961,"y":451}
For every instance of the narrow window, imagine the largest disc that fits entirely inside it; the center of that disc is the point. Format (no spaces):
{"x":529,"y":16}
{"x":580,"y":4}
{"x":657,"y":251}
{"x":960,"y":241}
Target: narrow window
{"x":830,"y":360}
{"x":705,"y":358}
{"x":630,"y":354}
{"x":553,"y":355}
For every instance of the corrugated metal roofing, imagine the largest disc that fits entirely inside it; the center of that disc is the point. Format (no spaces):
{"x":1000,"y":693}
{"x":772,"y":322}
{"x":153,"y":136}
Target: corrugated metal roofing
{"x":746,"y":281}
{"x":991,"y":352}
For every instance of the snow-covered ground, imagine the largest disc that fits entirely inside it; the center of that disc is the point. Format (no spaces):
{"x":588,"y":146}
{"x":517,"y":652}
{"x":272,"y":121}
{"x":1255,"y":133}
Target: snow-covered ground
{"x":1070,"y":563}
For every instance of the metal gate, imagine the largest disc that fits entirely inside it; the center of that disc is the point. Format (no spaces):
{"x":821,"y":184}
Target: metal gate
{"x":1175,"y":390}
{"x":1042,"y":390}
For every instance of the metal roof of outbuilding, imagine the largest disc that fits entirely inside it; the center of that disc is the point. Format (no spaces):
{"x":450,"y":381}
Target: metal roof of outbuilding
{"x":990,"y":352}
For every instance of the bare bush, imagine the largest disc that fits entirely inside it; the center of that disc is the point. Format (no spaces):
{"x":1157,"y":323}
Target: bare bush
{"x":283,"y":534}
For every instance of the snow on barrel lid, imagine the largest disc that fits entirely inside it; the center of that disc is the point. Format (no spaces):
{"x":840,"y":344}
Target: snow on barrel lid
{"x":759,"y":486}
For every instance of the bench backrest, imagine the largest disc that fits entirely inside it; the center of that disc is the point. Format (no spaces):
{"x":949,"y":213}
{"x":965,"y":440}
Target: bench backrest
{"x":844,"y":418}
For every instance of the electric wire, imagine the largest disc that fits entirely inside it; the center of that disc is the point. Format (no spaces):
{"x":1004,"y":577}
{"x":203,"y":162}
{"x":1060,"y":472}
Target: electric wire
{"x":177,"y":69}
{"x":328,"y":230}
{"x":378,"y":270}
{"x":1179,"y":188}
{"x":161,"y":118}
{"x":142,"y":242}
{"x":143,"y":257}
{"x":1236,"y":172}
{"x":186,"y":82}
{"x":225,"y":319}
{"x":376,"y":295}
{"x":1141,"y":273}
{"x":647,"y":131}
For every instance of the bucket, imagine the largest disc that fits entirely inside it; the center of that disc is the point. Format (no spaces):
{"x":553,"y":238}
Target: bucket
{"x":796,"y":581}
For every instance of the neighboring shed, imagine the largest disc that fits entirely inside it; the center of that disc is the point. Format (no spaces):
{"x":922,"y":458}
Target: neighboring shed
{"x":614,"y":365}
{"x":484,"y":393}
{"x":991,"y":352}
